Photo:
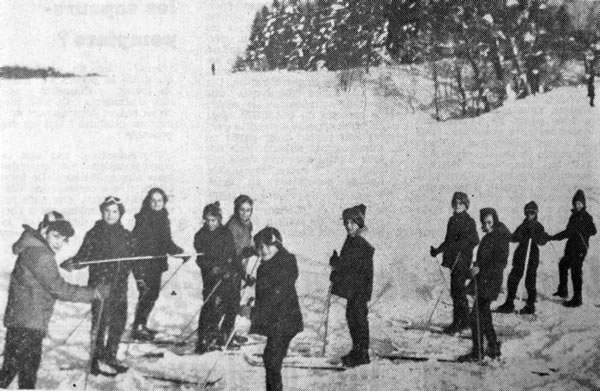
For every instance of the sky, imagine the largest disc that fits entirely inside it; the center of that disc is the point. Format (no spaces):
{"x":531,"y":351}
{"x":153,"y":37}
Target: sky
{"x":113,"y":36}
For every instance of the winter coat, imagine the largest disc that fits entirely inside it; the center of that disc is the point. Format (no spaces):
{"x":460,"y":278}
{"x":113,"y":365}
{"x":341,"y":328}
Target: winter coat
{"x":461,"y":238}
{"x":533,"y":230}
{"x":35,"y":284}
{"x":218,"y":259}
{"x":152,"y":234}
{"x":106,"y":241}
{"x":492,"y":258}
{"x":277,"y":310}
{"x":352,"y":272}
{"x":579,"y":229}
{"x":242,"y":234}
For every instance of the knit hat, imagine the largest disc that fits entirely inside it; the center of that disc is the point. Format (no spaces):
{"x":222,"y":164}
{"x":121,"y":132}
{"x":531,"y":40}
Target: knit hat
{"x":356,"y":214}
{"x":63,"y":227}
{"x":483,"y":213}
{"x":579,"y":196}
{"x":112,"y":200}
{"x":531,"y":207}
{"x":268,"y":236}
{"x":49,"y":218}
{"x":460,"y":197}
{"x":241,"y":200}
{"x":213,"y":209}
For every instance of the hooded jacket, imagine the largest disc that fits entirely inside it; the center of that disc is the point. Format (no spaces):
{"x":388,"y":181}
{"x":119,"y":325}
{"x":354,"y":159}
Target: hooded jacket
{"x":277,"y":310}
{"x":352,"y":272}
{"x":36,"y":284}
{"x":152,"y":234}
{"x":461,"y":238}
{"x":492,"y":258}
{"x":106,"y":241}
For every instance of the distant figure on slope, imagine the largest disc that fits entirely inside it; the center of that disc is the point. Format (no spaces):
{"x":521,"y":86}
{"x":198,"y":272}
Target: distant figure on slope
{"x":457,"y":247}
{"x":219,"y":276}
{"x":579,"y":229}
{"x":352,"y":279}
{"x":530,"y":230}
{"x":152,"y":233}
{"x":240,"y":225}
{"x":107,"y":239}
{"x":277,"y":312}
{"x":35,"y":285}
{"x":213,"y":68}
{"x":487,"y":272}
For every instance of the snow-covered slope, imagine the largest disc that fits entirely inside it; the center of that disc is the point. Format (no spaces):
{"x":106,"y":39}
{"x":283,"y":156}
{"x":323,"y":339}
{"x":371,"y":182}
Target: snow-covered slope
{"x":305,"y":151}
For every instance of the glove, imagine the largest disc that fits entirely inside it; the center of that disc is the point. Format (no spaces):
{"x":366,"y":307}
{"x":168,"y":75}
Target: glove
{"x":248,"y":252}
{"x":101,"y":292}
{"x":249,"y":280}
{"x":70,"y":265}
{"x":433,"y":251}
{"x":335,"y":258}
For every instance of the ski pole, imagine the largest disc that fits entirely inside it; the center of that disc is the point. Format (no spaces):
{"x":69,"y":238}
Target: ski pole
{"x":137,"y":258}
{"x":198,"y":312}
{"x":327,"y":306}
{"x":527,"y":254}
{"x":94,"y":341}
{"x":205,"y":382}
{"x":171,"y":277}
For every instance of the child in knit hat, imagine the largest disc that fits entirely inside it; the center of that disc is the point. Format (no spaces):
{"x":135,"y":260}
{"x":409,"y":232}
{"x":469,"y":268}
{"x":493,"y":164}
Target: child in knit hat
{"x":352,"y":279}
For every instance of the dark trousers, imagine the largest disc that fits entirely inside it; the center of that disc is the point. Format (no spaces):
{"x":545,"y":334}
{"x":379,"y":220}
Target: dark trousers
{"x":22,"y":356}
{"x":358,"y":322}
{"x":231,"y":305}
{"x":148,"y":284}
{"x":575,"y":264}
{"x":516,"y":273}
{"x":486,"y":327}
{"x":211,"y":312}
{"x":110,"y":325}
{"x":458,"y":292}
{"x":273,"y":355}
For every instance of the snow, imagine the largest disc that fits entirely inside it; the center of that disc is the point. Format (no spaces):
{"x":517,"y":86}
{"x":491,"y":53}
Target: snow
{"x":304,"y":150}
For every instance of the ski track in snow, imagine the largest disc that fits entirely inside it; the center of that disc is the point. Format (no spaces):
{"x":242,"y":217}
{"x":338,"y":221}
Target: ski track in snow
{"x":305,"y":151}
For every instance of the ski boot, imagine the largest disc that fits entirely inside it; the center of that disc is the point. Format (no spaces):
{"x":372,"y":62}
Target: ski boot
{"x":141,"y":333}
{"x":472,"y":356}
{"x":96,"y":370}
{"x":529,"y":309}
{"x":574,"y":302}
{"x":200,"y":348}
{"x":455,"y":327}
{"x":356,"y":359}
{"x":493,"y":351}
{"x":562,"y":293}
{"x":507,"y":308}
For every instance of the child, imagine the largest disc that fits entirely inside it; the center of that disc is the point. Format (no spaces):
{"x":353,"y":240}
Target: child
{"x":277,"y":312}
{"x":218,"y":265}
{"x":487,"y":272}
{"x":240,"y":226}
{"x":530,"y":230}
{"x":152,"y":233}
{"x":107,"y":239}
{"x":35,"y":285}
{"x":579,"y":229}
{"x":461,"y":238}
{"x":352,"y":279}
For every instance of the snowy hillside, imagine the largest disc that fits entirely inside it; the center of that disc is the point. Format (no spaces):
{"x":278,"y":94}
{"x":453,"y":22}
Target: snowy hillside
{"x":305,"y":151}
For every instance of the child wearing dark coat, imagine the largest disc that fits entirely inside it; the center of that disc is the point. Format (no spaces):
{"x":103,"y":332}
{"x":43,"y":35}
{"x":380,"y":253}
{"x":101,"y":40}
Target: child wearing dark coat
{"x":107,"y":239}
{"x":220,"y":284}
{"x":152,"y":233}
{"x":579,"y":229}
{"x":486,"y":283}
{"x":276,"y":314}
{"x":352,"y":279}
{"x":457,"y":247}
{"x":35,"y":285}
{"x":530,"y":235}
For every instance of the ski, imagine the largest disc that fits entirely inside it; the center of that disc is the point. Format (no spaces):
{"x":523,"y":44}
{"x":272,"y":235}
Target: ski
{"x":174,"y":380}
{"x":299,"y":362}
{"x":407,"y":355}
